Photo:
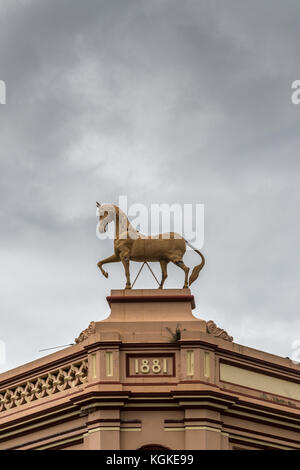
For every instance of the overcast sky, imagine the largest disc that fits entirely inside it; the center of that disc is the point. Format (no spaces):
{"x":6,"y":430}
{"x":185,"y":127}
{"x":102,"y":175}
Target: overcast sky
{"x":163,"y":101}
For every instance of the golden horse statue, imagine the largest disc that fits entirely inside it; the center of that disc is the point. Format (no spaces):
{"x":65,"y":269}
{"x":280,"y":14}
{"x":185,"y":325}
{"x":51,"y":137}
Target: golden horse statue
{"x":131,"y":245}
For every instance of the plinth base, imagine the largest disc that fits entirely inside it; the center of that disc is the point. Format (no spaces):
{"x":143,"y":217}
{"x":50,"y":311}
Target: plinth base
{"x":147,"y":315}
{"x":151,"y":305}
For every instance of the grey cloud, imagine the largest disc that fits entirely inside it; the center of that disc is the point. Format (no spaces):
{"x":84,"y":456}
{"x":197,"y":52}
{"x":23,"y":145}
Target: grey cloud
{"x":165,"y":101}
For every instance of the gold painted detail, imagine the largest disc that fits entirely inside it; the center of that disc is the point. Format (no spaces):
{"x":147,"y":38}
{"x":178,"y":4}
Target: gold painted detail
{"x":47,"y":384}
{"x":190,"y":362}
{"x":206,"y":364}
{"x":213,"y":329}
{"x":109,"y":364}
{"x":94,"y":366}
{"x":259,"y":381}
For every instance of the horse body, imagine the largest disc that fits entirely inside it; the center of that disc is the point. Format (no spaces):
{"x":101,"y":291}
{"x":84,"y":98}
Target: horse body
{"x":155,"y":249}
{"x":131,"y":245}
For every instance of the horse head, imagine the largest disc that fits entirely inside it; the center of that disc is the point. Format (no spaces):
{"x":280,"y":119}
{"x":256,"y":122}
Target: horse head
{"x":106,"y":214}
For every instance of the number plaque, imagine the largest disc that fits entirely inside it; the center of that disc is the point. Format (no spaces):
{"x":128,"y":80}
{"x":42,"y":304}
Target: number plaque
{"x":150,"y":365}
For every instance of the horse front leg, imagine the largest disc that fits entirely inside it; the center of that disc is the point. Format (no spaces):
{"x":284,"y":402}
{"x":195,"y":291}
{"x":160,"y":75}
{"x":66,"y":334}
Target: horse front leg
{"x":125,"y":261}
{"x":110,"y":259}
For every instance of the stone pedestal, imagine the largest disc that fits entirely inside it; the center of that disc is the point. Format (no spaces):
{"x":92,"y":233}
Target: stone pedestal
{"x":145,"y":315}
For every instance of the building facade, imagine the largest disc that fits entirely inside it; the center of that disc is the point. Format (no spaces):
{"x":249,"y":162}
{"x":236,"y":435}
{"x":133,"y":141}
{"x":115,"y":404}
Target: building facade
{"x":152,"y":376}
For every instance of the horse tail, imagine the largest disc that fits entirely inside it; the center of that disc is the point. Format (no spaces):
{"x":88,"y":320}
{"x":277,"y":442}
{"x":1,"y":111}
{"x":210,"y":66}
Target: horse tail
{"x":197,"y":269}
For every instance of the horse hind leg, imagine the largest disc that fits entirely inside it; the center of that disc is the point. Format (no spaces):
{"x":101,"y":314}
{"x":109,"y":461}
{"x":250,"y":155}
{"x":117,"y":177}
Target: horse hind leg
{"x":164,"y":273}
{"x":185,"y":268}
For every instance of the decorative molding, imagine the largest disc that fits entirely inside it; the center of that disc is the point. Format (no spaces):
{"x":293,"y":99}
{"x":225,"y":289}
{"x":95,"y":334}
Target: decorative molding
{"x":213,"y":329}
{"x":90,"y":330}
{"x":111,"y":299}
{"x":47,"y":384}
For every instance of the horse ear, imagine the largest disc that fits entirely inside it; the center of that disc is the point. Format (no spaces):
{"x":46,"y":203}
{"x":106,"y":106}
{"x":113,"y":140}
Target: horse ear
{"x":98,"y":204}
